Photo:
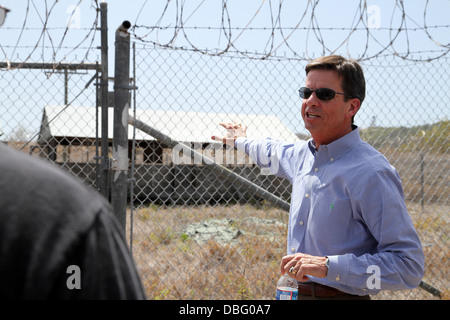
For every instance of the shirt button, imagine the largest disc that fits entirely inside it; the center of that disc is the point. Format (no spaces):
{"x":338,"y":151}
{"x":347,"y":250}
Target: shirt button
{"x":332,"y":159}
{"x":338,"y":278}
{"x":293,"y":249}
{"x":301,"y":222}
{"x":307,"y":195}
{"x":316,"y":169}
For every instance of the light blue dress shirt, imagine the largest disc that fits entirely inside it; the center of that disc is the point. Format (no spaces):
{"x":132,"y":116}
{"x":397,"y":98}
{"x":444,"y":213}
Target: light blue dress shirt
{"x":347,"y":203}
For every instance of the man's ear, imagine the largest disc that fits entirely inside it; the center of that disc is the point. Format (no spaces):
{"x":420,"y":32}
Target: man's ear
{"x":353,"y":108}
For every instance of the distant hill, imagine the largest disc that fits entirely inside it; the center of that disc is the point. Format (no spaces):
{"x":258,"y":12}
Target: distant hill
{"x":431,"y":137}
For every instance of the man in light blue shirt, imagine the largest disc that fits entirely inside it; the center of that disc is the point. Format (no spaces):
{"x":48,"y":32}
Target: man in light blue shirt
{"x":349,"y":232}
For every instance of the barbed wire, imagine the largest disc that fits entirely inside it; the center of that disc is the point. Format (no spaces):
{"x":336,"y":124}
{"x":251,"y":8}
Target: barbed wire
{"x":399,"y":30}
{"x":304,"y":38}
{"x":44,"y":13}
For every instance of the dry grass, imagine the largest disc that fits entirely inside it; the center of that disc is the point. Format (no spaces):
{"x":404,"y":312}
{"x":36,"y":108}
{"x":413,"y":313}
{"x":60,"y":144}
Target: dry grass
{"x":175,"y":264}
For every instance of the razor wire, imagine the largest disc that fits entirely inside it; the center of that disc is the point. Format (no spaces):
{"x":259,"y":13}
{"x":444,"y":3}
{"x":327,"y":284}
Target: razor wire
{"x":253,"y":30}
{"x":281,"y":34}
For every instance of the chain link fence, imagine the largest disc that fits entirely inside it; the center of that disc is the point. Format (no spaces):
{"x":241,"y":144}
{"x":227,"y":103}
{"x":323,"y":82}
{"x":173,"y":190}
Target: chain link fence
{"x":198,"y":236}
{"x":195,"y":235}
{"x":44,"y":113}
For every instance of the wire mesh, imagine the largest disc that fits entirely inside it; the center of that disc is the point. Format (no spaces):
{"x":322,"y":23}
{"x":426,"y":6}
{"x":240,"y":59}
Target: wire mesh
{"x":196,"y":235}
{"x":44,"y":114}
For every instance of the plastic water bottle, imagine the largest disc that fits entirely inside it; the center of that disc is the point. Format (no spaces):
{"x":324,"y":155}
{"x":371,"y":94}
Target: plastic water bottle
{"x":287,"y":288}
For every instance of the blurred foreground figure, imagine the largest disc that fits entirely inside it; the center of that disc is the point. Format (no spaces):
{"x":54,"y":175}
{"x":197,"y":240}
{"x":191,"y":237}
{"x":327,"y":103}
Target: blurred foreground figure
{"x":58,"y":238}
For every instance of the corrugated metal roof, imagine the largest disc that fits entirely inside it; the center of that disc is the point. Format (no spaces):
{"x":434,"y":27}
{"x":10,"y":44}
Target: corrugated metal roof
{"x":79,"y":121}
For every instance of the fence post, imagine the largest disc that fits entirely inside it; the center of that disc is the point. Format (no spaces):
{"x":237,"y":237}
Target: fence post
{"x":104,"y":168}
{"x":120,"y":136}
{"x":422,"y":191}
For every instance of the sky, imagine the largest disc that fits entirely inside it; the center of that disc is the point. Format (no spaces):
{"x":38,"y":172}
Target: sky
{"x":254,"y":27}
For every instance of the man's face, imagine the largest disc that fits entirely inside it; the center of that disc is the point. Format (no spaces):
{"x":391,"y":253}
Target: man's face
{"x":327,"y":120}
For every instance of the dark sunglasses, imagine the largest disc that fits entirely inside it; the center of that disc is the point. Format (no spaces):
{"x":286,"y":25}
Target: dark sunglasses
{"x":324,"y":94}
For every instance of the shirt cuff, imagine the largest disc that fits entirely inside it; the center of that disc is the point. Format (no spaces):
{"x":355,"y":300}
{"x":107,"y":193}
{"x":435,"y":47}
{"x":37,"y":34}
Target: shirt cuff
{"x":239,"y":143}
{"x":338,"y":269}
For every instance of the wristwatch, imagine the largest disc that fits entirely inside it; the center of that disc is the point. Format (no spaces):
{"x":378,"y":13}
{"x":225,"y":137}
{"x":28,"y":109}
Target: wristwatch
{"x":327,"y":263}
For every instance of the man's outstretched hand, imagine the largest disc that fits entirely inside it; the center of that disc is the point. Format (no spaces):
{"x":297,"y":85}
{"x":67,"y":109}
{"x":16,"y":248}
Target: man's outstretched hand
{"x":234,"y":131}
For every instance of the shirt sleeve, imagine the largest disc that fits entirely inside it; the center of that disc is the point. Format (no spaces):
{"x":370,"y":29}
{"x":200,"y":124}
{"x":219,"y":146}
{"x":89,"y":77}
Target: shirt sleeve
{"x":270,"y":153}
{"x":398,"y":262}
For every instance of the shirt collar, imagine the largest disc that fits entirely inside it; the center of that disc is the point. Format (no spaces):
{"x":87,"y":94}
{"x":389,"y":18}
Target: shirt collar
{"x":339,"y":147}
